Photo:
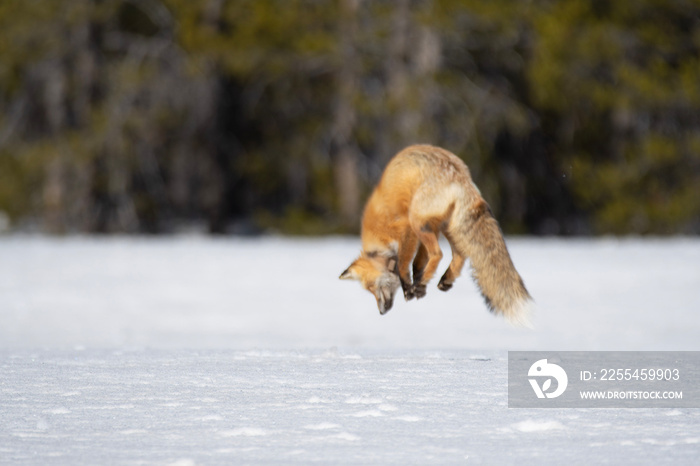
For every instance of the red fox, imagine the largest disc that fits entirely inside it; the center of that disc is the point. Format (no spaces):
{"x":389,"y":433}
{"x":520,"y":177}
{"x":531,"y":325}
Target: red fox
{"x":425,"y":191}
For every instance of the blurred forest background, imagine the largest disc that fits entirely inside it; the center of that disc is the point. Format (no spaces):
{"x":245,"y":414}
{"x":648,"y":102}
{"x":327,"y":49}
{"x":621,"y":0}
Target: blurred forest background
{"x":241,"y":116}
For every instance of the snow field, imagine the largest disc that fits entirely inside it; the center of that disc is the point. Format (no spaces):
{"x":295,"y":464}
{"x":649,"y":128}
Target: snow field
{"x":291,"y":407}
{"x":251,"y":351}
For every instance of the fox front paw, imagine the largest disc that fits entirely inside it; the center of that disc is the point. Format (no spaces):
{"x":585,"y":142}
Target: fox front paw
{"x":418,"y":290}
{"x":407,"y":290}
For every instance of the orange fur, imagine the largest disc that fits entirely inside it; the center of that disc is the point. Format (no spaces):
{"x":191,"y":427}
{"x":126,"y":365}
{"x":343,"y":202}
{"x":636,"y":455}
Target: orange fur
{"x":426,"y":191}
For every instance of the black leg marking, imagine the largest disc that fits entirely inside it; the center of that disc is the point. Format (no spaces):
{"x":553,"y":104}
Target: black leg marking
{"x":418,"y":290}
{"x":407,"y":290}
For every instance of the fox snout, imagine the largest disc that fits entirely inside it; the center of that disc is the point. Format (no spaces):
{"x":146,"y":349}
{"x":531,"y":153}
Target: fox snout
{"x":385,"y":300}
{"x":376,"y":279}
{"x":384,"y":290}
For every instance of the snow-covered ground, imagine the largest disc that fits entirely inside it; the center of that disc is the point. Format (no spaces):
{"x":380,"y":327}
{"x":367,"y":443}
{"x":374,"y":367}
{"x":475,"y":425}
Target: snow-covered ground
{"x":192,"y":350}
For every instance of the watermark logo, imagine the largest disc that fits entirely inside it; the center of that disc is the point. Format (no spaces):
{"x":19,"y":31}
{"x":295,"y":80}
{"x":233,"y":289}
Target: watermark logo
{"x":603,"y":379}
{"x":543,"y":370}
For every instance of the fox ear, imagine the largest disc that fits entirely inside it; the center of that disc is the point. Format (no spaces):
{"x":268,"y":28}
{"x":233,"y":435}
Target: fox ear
{"x":349,"y":273}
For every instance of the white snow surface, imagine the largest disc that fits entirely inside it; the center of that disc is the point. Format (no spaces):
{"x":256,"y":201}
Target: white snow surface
{"x":192,"y":350}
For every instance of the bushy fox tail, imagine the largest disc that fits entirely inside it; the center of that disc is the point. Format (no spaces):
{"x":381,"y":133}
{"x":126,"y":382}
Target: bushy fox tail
{"x":481,"y":240}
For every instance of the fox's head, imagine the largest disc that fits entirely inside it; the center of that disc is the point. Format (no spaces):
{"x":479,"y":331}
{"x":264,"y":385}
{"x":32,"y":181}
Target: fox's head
{"x":377,"y":273}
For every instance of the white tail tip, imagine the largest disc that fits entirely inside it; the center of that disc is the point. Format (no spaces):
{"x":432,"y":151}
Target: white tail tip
{"x":520,"y":315}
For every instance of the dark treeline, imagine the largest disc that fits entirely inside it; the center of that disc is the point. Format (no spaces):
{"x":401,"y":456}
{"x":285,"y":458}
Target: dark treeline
{"x":575,"y":117}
